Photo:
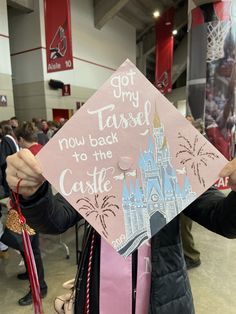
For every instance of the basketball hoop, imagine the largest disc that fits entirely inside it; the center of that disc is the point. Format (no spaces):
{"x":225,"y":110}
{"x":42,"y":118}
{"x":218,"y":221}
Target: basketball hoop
{"x":216,"y":34}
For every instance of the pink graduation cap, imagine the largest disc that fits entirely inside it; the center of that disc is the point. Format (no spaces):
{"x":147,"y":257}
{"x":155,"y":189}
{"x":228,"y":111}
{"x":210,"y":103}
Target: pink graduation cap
{"x":128,"y":161}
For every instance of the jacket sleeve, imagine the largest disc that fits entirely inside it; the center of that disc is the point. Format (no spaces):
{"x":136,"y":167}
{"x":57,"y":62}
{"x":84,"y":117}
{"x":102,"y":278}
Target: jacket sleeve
{"x":6,"y":150}
{"x":48,"y":213}
{"x":215,"y":211}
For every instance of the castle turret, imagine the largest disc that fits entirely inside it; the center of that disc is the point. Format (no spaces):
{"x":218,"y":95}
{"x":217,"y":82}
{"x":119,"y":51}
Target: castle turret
{"x":133,"y":213}
{"x":168,"y":188}
{"x":165,"y":153}
{"x":158,"y":132}
{"x":127,"y":210}
{"x":156,"y":121}
{"x":139,"y":206}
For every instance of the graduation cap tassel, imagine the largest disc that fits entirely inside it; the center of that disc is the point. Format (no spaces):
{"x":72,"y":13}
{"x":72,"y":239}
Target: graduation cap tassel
{"x":29,"y":256}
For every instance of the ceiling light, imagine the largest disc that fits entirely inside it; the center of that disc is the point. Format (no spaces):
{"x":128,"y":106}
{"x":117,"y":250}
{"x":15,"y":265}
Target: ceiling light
{"x":175,"y":32}
{"x":156,"y":14}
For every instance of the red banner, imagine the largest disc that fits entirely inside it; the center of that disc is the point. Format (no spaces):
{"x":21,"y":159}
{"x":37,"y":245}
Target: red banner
{"x":66,"y":90}
{"x":164,"y":51}
{"x":58,"y":35}
{"x":222,"y":184}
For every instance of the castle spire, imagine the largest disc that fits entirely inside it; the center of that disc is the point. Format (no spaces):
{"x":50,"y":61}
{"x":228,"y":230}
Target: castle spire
{"x":164,"y":142}
{"x":156,"y":119}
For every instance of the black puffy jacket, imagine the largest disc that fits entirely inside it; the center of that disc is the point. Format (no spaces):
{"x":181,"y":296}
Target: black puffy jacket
{"x":170,"y":289}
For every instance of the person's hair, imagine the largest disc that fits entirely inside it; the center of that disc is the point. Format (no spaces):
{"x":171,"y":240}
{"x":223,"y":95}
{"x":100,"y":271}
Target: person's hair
{"x":6,"y":128}
{"x":27,"y":131}
{"x":13,"y":118}
{"x":52,"y":123}
{"x":36,"y":121}
{"x":38,"y":125}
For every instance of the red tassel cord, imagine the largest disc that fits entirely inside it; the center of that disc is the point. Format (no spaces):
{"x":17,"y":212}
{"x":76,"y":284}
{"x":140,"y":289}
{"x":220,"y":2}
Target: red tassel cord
{"x":29,"y":256}
{"x":87,"y":303}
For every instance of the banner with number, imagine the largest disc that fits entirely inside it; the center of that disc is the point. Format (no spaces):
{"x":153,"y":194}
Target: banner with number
{"x":58,"y":35}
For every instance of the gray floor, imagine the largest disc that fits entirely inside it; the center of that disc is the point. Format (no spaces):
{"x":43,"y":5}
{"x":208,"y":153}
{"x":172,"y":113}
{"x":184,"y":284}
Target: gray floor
{"x":213,"y":283}
{"x":58,"y":269}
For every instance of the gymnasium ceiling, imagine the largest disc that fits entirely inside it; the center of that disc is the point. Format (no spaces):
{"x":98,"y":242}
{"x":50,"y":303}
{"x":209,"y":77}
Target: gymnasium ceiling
{"x":139,"y":13}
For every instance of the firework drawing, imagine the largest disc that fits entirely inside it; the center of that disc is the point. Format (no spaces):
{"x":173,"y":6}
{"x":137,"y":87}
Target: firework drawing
{"x":101,"y":209}
{"x":195,"y":155}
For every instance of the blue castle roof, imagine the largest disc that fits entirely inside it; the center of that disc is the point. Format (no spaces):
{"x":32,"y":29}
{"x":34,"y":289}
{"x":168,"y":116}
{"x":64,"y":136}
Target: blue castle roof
{"x":132,"y":190}
{"x":177,"y":190}
{"x":138,"y":192}
{"x":153,"y":184}
{"x":186,"y":186}
{"x":125,"y":192}
{"x":147,"y":160}
{"x":150,"y":145}
{"x":167,"y":183}
{"x":170,"y":170}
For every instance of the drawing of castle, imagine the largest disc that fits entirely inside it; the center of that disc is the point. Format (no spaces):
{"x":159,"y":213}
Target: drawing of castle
{"x":156,"y":198}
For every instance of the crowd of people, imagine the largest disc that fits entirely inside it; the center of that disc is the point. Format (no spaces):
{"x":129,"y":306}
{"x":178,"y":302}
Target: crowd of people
{"x":220,"y":118}
{"x":13,"y":137}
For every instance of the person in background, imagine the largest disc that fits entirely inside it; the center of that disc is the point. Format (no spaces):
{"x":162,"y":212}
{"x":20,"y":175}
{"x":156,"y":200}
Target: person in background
{"x":44,"y":126}
{"x":52,"y":129}
{"x":14,"y":122}
{"x":27,"y":138}
{"x":1,"y":132}
{"x":41,"y":136}
{"x":8,"y":146}
{"x":219,"y":123}
{"x":26,"y":135}
{"x":3,"y":247}
{"x":36,"y":121}
{"x":62,"y":121}
{"x":191,"y":253}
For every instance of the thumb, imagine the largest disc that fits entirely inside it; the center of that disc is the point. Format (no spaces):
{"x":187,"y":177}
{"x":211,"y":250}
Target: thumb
{"x":228,"y":169}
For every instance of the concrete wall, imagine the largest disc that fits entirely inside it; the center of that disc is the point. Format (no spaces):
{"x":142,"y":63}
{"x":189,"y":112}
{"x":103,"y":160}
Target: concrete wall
{"x":96,"y":54}
{"x":5,"y":65}
{"x":26,"y":57}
